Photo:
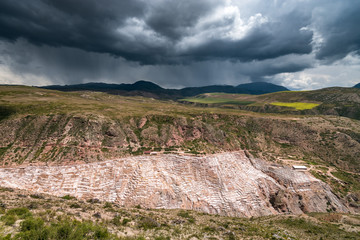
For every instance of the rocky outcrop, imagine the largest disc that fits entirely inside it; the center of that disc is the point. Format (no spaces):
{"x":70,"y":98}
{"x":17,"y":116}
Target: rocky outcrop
{"x":231,"y":184}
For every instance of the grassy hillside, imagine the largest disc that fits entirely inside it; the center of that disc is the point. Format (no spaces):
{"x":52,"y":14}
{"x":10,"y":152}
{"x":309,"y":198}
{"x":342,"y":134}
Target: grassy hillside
{"x":329,"y":101}
{"x":49,"y":127}
{"x":47,"y":217}
{"x":43,"y":125}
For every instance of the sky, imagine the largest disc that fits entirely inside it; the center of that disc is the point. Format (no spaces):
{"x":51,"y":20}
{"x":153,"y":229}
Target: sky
{"x":300,"y":44}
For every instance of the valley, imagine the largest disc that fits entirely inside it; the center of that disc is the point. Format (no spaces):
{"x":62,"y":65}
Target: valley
{"x":212,"y":158}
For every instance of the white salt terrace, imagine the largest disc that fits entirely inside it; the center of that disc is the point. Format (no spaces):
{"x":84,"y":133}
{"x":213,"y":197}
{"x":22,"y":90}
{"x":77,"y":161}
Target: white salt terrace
{"x":227,"y":183}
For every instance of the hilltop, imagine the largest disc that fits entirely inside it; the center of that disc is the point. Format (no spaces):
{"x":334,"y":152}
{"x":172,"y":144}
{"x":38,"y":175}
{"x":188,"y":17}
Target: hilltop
{"x":328,"y":101}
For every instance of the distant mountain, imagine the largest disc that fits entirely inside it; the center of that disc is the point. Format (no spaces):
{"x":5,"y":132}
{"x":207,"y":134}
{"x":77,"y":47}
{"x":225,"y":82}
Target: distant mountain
{"x":149,"y":89}
{"x":139,"y":85}
{"x":192,"y":91}
{"x":146,"y":85}
{"x":262,"y":87}
{"x":357,"y":85}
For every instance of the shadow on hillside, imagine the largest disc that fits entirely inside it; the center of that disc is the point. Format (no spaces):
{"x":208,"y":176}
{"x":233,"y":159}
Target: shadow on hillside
{"x":6,"y":111}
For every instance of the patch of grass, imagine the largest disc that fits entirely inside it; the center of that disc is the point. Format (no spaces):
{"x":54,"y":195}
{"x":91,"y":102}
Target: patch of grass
{"x":3,"y":150}
{"x":9,"y":219}
{"x":214,"y":100}
{"x":75,"y":205}
{"x":37,"y":196}
{"x":68,"y":197}
{"x":35,"y":228}
{"x":352,"y":180}
{"x":315,"y":230}
{"x":187,"y":215}
{"x":19,"y":212}
{"x":320,"y":176}
{"x":105,"y":150}
{"x":147,"y":223}
{"x":12,"y":215}
{"x":296,"y":105}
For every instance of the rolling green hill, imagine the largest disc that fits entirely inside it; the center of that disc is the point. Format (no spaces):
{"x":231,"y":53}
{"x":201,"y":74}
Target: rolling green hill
{"x":328,"y":101}
{"x":41,"y":126}
{"x":104,"y":125}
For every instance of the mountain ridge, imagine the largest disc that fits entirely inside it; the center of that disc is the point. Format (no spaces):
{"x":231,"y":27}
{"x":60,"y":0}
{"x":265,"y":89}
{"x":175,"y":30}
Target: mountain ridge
{"x":143,"y":88}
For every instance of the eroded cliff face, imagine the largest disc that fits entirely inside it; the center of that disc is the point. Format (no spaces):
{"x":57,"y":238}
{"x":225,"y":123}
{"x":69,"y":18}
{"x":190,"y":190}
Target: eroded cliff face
{"x":60,"y":139}
{"x":227,"y":183}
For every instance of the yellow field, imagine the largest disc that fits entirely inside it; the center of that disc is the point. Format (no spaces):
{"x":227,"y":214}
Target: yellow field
{"x":296,"y":105}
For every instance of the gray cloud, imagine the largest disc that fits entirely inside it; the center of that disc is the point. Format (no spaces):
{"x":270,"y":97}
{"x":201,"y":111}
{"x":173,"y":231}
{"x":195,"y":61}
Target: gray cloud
{"x":154,"y":32}
{"x":174,"y":43}
{"x":338,"y":30}
{"x":68,"y":65}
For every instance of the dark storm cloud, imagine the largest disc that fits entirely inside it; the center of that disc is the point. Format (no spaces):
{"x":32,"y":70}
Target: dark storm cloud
{"x":172,"y":42}
{"x":339,"y":30}
{"x":270,"y":40}
{"x":68,"y":66}
{"x":172,"y":18}
{"x":149,"y":32}
{"x":87,"y":25}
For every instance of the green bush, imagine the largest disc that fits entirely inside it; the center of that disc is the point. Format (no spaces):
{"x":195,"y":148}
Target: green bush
{"x":75,"y":205}
{"x":9,"y":219}
{"x":107,"y":205}
{"x":20,"y":212}
{"x":147,"y":223}
{"x":186,"y":215}
{"x":13,"y":214}
{"x":68,"y":197}
{"x":116,"y":221}
{"x":35,"y":229}
{"x":125,"y":221}
{"x":31,"y":224}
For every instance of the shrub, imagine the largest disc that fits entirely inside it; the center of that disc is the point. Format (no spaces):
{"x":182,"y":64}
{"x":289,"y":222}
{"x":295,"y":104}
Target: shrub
{"x":75,"y":205}
{"x":9,"y":219}
{"x":125,"y":221}
{"x":68,"y":197}
{"x":107,"y":205}
{"x":148,"y":223}
{"x":186,"y":215}
{"x":33,"y":205}
{"x":116,"y":221}
{"x":35,"y":229}
{"x":19,"y":212}
{"x":162,"y":238}
{"x":31,"y":224}
{"x":37,"y":196}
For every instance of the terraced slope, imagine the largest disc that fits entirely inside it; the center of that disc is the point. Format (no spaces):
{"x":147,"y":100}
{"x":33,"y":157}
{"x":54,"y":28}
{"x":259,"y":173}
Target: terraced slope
{"x":228,"y":184}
